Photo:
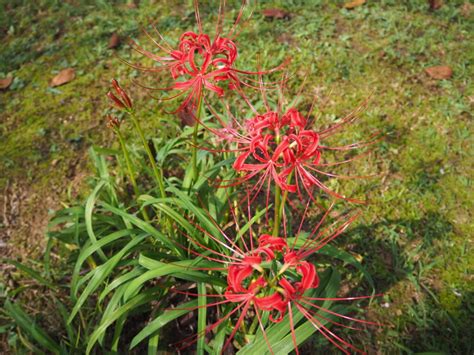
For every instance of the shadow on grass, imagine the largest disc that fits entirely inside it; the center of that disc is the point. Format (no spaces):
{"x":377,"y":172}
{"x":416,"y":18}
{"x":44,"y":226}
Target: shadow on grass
{"x":409,"y":250}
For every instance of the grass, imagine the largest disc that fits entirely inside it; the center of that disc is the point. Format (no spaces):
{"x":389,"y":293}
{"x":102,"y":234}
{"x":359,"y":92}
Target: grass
{"x":419,"y":219}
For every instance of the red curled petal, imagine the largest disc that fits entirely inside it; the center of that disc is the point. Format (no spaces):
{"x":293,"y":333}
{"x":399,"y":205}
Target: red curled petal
{"x":288,"y":287}
{"x":309,"y":141}
{"x":260,"y":282}
{"x":295,"y":118}
{"x":275,"y":243}
{"x":279,"y":150}
{"x":268,"y":303}
{"x":309,"y":276}
{"x":291,"y":258}
{"x":274,"y":302}
{"x":219,"y":91}
{"x":233,"y":297}
{"x":252,"y":260}
{"x":268,"y":252}
{"x":236,"y":275}
{"x":239,"y":162}
{"x":184,"y":85}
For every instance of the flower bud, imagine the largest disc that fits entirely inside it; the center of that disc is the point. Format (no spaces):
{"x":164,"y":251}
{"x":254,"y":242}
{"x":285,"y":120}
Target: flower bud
{"x":116,"y":101}
{"x":126,"y":101}
{"x":112,"y":122}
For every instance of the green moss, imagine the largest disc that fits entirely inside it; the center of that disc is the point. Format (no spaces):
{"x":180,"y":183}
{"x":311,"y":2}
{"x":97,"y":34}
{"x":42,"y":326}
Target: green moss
{"x":457,"y":278}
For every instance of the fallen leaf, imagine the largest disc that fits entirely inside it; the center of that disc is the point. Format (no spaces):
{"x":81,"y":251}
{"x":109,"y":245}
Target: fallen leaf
{"x":467,"y":9}
{"x":132,"y":5}
{"x":5,"y":83}
{"x":435,"y":4}
{"x":285,"y":38}
{"x":353,"y":4}
{"x":439,"y":72}
{"x":278,"y":14}
{"x":63,"y":77}
{"x":114,"y":41}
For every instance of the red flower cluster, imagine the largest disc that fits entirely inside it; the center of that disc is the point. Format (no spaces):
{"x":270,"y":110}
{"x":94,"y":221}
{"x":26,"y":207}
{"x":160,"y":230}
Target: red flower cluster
{"x":278,"y":146}
{"x":274,"y":277}
{"x":281,"y":148}
{"x":203,"y":62}
{"x":198,"y":62}
{"x":267,"y":289}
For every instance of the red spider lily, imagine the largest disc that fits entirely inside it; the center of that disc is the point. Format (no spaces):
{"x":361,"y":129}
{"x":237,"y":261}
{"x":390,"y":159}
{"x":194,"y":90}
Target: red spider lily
{"x":249,"y":281}
{"x":198,"y":61}
{"x":276,"y":277}
{"x":122,"y":103}
{"x":283,"y":148}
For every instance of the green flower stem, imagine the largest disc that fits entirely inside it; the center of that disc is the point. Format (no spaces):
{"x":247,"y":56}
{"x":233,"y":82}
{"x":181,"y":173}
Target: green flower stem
{"x":195,"y":134}
{"x":277,"y":214}
{"x":131,"y":171}
{"x":157,"y":172}
{"x":279,"y":206}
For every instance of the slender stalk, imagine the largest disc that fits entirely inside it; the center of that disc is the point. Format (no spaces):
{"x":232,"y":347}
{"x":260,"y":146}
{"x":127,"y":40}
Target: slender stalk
{"x":285,"y":194}
{"x":279,"y":206}
{"x":283,"y":201}
{"x":277,"y":213}
{"x":131,"y":171}
{"x":128,"y":161}
{"x":195,"y":134}
{"x":157,"y":172}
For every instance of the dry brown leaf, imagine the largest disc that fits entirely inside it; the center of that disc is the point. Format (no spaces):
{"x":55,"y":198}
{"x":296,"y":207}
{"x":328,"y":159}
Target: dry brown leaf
{"x":467,"y":9}
{"x":440,"y":72}
{"x":114,"y":41}
{"x":278,"y":14}
{"x":353,"y":4}
{"x":435,"y":4}
{"x":285,"y":38}
{"x":132,"y":5}
{"x":63,"y":77}
{"x":5,"y":83}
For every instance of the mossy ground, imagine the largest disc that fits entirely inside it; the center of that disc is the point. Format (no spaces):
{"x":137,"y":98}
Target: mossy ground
{"x":416,"y":233}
